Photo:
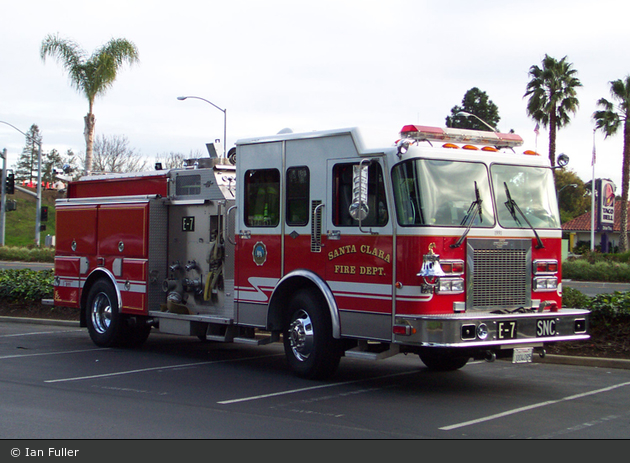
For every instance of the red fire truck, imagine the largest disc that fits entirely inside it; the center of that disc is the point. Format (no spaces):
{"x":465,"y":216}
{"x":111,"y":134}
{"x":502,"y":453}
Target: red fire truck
{"x":446,"y":244}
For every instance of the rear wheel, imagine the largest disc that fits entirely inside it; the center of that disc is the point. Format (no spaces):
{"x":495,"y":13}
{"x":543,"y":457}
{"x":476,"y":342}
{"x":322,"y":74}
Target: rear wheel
{"x":443,"y":360}
{"x":103,"y":319}
{"x":309,"y":346}
{"x":106,"y":325}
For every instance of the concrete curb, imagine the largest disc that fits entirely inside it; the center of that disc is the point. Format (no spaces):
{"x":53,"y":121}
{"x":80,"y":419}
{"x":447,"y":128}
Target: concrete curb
{"x":549,"y":358}
{"x":583,"y":361}
{"x":40,"y":321}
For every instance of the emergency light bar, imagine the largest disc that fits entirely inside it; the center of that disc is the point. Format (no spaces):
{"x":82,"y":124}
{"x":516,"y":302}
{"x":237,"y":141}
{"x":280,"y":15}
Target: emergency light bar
{"x":475,"y":137}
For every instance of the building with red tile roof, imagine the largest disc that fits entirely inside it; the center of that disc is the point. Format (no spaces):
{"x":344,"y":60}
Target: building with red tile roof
{"x":579,"y":229}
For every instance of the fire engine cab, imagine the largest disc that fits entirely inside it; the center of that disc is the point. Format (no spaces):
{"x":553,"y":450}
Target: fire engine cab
{"x":446,"y":244}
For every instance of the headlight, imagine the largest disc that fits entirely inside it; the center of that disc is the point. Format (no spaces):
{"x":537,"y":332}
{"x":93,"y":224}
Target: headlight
{"x":545,"y":283}
{"x":450,"y":286}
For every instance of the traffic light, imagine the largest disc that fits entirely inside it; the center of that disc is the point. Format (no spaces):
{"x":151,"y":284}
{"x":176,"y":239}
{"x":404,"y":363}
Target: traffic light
{"x":44,"y":214}
{"x":9,"y":185}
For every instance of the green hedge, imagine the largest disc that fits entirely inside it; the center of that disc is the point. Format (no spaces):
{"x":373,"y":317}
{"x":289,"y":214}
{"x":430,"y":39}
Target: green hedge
{"x":25,"y":285}
{"x":24,"y":254}
{"x":606,"y":309}
{"x":601,"y":270}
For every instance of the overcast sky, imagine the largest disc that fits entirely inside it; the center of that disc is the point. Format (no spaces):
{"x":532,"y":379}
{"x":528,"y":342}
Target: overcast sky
{"x":329,"y":64}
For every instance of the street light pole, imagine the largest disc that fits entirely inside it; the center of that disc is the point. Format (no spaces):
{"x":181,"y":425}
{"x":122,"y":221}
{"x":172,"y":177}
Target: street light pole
{"x":38,"y":211}
{"x":224,"y":111}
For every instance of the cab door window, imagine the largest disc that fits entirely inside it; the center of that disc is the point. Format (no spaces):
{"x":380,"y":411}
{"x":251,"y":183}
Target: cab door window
{"x":342,"y":196}
{"x":262,"y":198}
{"x":298,"y":185}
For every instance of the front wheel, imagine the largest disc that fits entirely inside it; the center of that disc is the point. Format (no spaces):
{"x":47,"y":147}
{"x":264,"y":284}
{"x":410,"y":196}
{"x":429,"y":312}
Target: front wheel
{"x":309,"y":346}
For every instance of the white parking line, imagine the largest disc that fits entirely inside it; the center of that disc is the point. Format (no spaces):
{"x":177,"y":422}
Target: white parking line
{"x":40,"y":354}
{"x":321,"y":386}
{"x":531,"y":407}
{"x":37,"y":332}
{"x":165,"y":367}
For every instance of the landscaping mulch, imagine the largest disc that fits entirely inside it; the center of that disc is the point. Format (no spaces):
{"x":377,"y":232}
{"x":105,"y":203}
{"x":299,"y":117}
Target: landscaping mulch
{"x":37,"y":310}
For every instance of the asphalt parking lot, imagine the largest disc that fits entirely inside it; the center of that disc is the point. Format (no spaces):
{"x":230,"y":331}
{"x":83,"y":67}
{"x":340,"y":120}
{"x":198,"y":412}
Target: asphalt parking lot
{"x":57,"y":385}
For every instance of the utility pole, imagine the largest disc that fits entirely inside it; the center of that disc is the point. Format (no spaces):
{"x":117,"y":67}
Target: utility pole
{"x":3,"y":202}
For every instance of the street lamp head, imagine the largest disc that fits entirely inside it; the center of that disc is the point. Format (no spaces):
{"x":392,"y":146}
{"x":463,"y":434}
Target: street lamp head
{"x":467,"y":114}
{"x":224,"y":111}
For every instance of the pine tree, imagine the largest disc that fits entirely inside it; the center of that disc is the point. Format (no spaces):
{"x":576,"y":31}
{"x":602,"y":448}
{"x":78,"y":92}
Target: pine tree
{"x":485,"y":113}
{"x":26,"y":166}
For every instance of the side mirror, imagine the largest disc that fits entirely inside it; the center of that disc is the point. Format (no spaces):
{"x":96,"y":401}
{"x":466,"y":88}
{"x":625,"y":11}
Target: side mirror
{"x":359,"y":209}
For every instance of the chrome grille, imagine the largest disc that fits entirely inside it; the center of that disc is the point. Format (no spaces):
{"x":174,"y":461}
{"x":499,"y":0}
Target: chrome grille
{"x":498,"y":274}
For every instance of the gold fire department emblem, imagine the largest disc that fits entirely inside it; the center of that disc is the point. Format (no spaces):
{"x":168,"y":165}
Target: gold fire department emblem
{"x":259,"y":253}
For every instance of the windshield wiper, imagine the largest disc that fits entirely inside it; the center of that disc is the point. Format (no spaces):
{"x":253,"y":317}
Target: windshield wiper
{"x":512,"y":207}
{"x":473,"y":211}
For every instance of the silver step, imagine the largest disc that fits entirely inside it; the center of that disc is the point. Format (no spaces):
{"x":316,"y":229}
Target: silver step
{"x":192,"y":318}
{"x":366,"y":351}
{"x":258,"y":339}
{"x":189,"y":325}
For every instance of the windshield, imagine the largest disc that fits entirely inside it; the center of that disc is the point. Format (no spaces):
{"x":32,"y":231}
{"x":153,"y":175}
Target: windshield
{"x":530,"y":189}
{"x":440,"y":193}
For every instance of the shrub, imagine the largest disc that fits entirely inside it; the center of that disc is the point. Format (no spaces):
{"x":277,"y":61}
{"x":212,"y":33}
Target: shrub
{"x":24,"y":285}
{"x":575,"y":299}
{"x":607,"y":310}
{"x":610,"y":309}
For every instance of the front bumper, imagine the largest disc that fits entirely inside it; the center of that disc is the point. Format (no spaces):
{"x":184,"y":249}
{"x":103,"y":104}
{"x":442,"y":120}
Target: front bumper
{"x":489,"y":330}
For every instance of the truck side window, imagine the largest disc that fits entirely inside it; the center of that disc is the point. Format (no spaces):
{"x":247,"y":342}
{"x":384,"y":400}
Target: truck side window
{"x":298,"y":184}
{"x":342,"y":197}
{"x":262,"y":198}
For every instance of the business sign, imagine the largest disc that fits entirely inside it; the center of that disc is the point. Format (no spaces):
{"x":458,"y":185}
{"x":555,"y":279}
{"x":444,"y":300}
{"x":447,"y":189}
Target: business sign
{"x":606,"y":204}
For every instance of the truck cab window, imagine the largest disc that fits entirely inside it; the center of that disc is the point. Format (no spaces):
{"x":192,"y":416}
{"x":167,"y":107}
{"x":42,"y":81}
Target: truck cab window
{"x":532,"y":192}
{"x":342,"y":196}
{"x":298,"y":184}
{"x":431,"y":192}
{"x":262,"y":198}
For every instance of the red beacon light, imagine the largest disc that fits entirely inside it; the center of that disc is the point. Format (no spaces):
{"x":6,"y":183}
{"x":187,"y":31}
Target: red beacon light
{"x":469,"y":137}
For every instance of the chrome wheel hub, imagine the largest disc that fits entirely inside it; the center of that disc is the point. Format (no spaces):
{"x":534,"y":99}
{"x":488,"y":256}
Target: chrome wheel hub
{"x":301,"y":336}
{"x":101,"y":313}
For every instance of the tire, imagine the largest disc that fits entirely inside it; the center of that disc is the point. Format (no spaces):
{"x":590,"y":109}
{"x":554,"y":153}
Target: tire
{"x":135,"y":334}
{"x":310,"y":349}
{"x":443,"y":360}
{"x":102,"y":315}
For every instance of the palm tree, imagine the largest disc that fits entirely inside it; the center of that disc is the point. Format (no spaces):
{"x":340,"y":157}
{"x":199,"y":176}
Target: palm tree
{"x":552,"y":96}
{"x":90,"y":76}
{"x":609,"y":120}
